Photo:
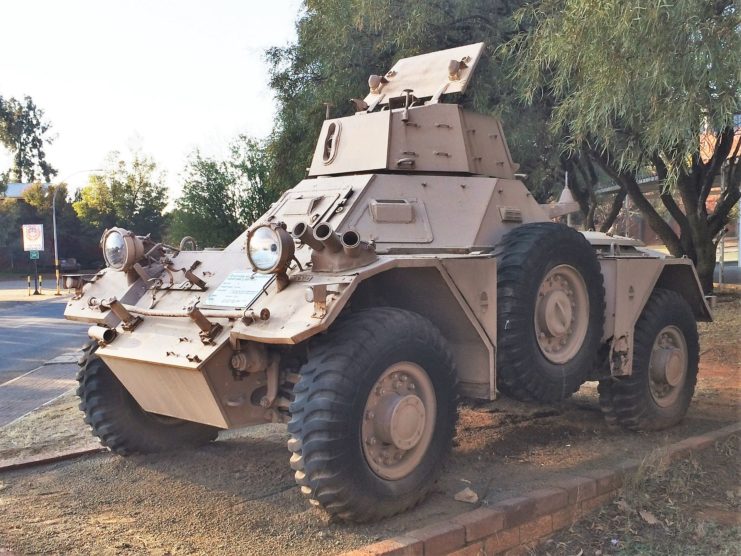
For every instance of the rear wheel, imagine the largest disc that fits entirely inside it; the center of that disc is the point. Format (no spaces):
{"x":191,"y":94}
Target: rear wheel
{"x":665,"y":359}
{"x":120,"y":423}
{"x":373,"y":415}
{"x":550,"y":304}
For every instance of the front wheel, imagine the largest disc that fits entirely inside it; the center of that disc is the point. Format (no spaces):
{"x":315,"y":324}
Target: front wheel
{"x":120,"y":423}
{"x":665,"y":359}
{"x":373,"y":415}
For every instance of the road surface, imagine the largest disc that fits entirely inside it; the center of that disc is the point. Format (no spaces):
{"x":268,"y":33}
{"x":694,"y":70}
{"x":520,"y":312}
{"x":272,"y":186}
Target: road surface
{"x":33,"y":333}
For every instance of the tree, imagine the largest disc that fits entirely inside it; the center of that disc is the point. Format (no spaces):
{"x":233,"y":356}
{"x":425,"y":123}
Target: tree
{"x":94,"y":205}
{"x":635,"y":85}
{"x":25,"y":133}
{"x":341,"y":42}
{"x":75,"y":239}
{"x":10,"y":226}
{"x":222,"y":197}
{"x":130,"y":194}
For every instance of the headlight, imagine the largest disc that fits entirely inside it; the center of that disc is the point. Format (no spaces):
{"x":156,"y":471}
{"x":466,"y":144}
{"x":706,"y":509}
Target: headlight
{"x":114,"y":249}
{"x":270,"y":248}
{"x":121,"y":248}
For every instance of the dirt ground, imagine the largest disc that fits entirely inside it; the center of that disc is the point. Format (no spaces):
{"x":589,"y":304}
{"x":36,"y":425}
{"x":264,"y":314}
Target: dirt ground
{"x":690,"y":508}
{"x":237,"y":495}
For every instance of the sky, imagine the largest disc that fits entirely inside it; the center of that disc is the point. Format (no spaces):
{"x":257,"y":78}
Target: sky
{"x":162,"y":76}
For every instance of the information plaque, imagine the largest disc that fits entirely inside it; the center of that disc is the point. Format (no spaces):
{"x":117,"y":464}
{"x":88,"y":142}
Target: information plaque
{"x":238,"y":290}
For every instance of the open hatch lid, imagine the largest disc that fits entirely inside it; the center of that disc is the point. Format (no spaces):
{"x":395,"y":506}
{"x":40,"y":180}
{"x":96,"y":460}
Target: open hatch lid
{"x":427,"y":75}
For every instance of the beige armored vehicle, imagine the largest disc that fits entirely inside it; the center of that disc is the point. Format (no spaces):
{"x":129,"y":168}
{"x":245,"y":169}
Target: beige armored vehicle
{"x":411,"y":266}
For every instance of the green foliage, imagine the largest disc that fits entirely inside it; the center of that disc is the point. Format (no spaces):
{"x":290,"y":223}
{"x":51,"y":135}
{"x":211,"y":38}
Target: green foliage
{"x":638,"y":86}
{"x":25,"y":132}
{"x":222,"y":197}
{"x":632,"y":78}
{"x":75,"y":240}
{"x":10,"y":232}
{"x":129,"y":194}
{"x":94,"y":205}
{"x":341,"y":42}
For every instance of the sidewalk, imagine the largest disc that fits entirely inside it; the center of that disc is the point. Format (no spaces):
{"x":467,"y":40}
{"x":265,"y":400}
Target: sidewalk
{"x":38,"y":387}
{"x":17,"y":290}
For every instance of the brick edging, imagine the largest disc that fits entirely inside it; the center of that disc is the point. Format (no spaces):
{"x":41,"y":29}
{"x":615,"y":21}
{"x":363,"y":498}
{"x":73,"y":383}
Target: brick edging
{"x":519,"y":523}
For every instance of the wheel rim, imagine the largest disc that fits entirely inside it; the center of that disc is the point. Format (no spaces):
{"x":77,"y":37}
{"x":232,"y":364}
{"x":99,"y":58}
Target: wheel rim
{"x":398,"y":420}
{"x":561,"y":314}
{"x":668,"y":366}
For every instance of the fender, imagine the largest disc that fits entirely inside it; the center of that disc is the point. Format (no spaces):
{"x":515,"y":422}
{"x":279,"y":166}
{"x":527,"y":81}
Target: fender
{"x":629,"y":283}
{"x":459,"y":297}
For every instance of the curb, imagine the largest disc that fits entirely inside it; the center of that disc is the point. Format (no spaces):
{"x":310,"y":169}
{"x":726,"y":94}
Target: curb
{"x":12,"y":464}
{"x":516,"y":525}
{"x":64,"y":359}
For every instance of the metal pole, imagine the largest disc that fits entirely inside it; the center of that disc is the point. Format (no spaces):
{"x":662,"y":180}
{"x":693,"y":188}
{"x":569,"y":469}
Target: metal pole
{"x":54,"y":225}
{"x":722,"y":259}
{"x":36,"y":277}
{"x":566,"y":185}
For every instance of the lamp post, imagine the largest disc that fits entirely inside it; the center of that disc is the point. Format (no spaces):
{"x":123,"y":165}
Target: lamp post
{"x":54,"y":222}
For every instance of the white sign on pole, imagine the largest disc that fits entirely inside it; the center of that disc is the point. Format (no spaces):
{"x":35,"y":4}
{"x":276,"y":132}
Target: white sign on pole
{"x":33,"y":237}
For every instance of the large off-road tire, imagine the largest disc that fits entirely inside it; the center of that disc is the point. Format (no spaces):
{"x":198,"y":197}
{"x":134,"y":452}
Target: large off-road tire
{"x":120,"y":423}
{"x":373,"y":415}
{"x":665,"y":359}
{"x":550,"y":311}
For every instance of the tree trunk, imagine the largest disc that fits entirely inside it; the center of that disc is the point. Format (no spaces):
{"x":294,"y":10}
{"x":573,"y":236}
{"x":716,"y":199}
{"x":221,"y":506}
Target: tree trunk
{"x":617,"y":205}
{"x":705,"y":264}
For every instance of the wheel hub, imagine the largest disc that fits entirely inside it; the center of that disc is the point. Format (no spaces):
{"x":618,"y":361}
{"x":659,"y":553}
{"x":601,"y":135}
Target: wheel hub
{"x":561,"y":314}
{"x":398,"y":421}
{"x":557,"y":315}
{"x":668,"y":365}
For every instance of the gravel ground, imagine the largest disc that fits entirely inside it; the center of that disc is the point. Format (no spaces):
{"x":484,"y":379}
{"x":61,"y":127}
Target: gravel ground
{"x":237,"y":495}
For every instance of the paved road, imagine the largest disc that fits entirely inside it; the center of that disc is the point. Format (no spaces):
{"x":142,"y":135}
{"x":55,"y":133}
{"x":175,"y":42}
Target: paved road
{"x":33,"y":333}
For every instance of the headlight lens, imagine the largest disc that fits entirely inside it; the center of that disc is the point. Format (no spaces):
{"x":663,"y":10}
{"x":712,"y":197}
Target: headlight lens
{"x":115,"y":249}
{"x":121,"y":248}
{"x":270,"y":248}
{"x":264,"y":248}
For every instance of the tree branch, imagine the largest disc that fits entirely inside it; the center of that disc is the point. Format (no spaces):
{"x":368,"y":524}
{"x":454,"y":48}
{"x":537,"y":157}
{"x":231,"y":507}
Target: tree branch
{"x":722,"y":208}
{"x":733,"y":164}
{"x":689,"y":193}
{"x":721,"y":150}
{"x":617,"y":205}
{"x":673,"y":208}
{"x":628,"y":182}
{"x":666,"y":197}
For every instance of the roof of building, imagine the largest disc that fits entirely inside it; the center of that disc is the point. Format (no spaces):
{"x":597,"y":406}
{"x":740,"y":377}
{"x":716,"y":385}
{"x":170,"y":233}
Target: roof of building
{"x":16,"y":190}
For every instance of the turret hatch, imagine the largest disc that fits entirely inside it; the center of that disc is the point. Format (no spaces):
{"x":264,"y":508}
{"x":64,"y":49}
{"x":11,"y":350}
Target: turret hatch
{"x":426,"y":75}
